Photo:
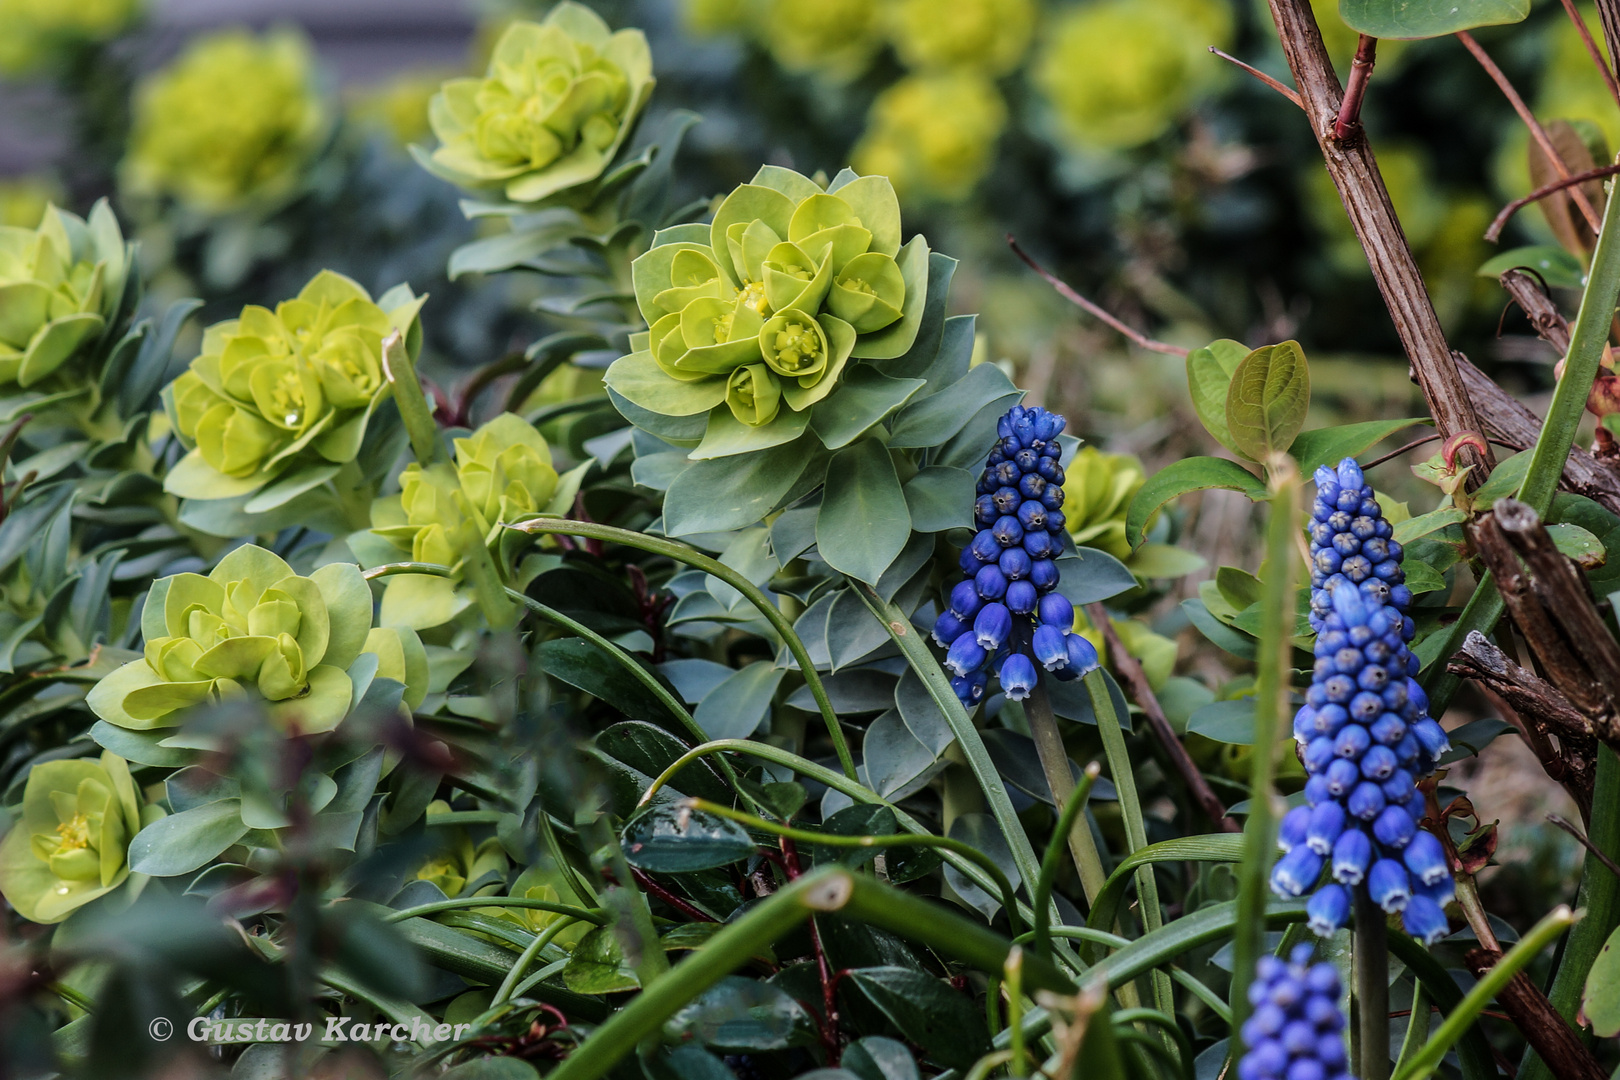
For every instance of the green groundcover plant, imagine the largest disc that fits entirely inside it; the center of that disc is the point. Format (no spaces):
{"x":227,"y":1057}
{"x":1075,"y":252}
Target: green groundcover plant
{"x":748,"y":679}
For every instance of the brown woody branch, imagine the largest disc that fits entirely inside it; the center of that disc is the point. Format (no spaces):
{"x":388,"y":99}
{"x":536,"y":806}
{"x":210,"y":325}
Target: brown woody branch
{"x":1361,"y":69}
{"x":1065,"y":290}
{"x":1609,"y":15}
{"x":1130,"y":669}
{"x":1543,"y":314}
{"x":1545,"y":1031}
{"x":1536,"y":708}
{"x":1354,"y":170}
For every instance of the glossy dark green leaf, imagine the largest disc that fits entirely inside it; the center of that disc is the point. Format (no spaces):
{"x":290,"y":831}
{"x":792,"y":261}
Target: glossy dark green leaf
{"x":1428,"y":18}
{"x":676,"y":840}
{"x":489,"y":1068}
{"x":684,"y":1063}
{"x":742,"y":1014}
{"x":649,"y":749}
{"x":1267,"y":400}
{"x":863,"y":523}
{"x":1504,"y":480}
{"x":944,"y":1022}
{"x":1180,"y":477}
{"x":1474,"y":736}
{"x":878,"y":1058}
{"x":581,"y":664}
{"x":598,"y":965}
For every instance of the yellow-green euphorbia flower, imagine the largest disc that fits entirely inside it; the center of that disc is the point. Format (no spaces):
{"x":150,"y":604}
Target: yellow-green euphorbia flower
{"x":502,"y":474}
{"x":835,"y":39}
{"x":933,"y":135}
{"x":548,"y":885}
{"x":230,"y":125}
{"x":1119,"y":72}
{"x":1097,"y":491}
{"x":983,"y":35}
{"x":754,"y":318}
{"x":71,"y":842}
{"x":59,"y":285}
{"x":34,"y":27}
{"x":275,"y":389}
{"x":254,"y":627}
{"x":557,"y":102}
{"x":454,"y":862}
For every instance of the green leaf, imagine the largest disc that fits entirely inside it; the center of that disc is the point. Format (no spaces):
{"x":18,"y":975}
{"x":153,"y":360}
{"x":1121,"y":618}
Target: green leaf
{"x":491,"y":1068}
{"x":1435,"y":520}
{"x":932,"y":420}
{"x":895,"y":339}
{"x":866,"y":396}
{"x":1157,"y":561}
{"x":1467,"y":741}
{"x":1267,"y":400}
{"x":928,"y":1012}
{"x":1225,"y":721}
{"x":726,"y":436}
{"x":1422,"y":578}
{"x":732,"y":493}
{"x":598,"y":965}
{"x":939,"y":498}
{"x":1090,"y":576}
{"x":1329,"y":446}
{"x":1216,"y":848}
{"x":502,"y":252}
{"x":1578,"y":544}
{"x":180,"y":843}
{"x":1209,"y":374}
{"x":1237,"y":587}
{"x":1601,"y":999}
{"x":739,"y":705}
{"x":742,"y":1014}
{"x":1181,"y":477}
{"x":1427,"y":18}
{"x":1235,"y":642}
{"x":1504,"y":481}
{"x":1557,"y":267}
{"x":579,"y":663}
{"x":863,"y":524}
{"x":649,"y":749}
{"x":674,"y":840}
{"x":879,"y":1058}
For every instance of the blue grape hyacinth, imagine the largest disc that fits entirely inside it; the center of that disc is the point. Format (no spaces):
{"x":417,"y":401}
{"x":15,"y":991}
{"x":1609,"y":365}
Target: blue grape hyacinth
{"x":1005,"y":617}
{"x":1365,"y":733}
{"x":1295,"y":1031}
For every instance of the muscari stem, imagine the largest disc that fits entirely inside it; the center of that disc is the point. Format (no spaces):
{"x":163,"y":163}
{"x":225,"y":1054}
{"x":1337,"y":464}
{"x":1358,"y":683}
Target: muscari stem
{"x":1072,"y":810}
{"x":1277,"y":613}
{"x":1073,"y":828}
{"x":1370,"y":1047}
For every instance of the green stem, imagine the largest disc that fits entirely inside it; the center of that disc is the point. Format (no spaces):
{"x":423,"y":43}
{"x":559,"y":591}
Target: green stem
{"x":691,"y":557}
{"x":968,"y":740}
{"x":1276,"y":618}
{"x":1054,"y":757}
{"x":1599,"y":898}
{"x":806,"y":836}
{"x":596,"y":917}
{"x":1427,"y":1060}
{"x":1042,"y":896}
{"x":1417,"y":1027}
{"x":412,"y":402}
{"x":544,"y":938}
{"x":1123,"y":774}
{"x":1014,"y":981}
{"x":634,"y":916}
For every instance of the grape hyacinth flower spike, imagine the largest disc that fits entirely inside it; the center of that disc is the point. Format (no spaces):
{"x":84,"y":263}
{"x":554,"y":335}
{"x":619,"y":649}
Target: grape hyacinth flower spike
{"x":1365,"y":733}
{"x":1005,"y":618}
{"x":1295,"y":1028}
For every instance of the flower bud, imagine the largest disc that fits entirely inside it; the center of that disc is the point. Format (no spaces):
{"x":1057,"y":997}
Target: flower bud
{"x":984,"y":547}
{"x":1043,"y":574}
{"x":1425,"y":857}
{"x":1388,"y":885}
{"x":1352,"y":854}
{"x":965,"y":600}
{"x":1056,"y":610}
{"x":1040,"y":544}
{"x":1021,"y":597}
{"x":947,"y":628}
{"x":1049,"y":647}
{"x":1327,"y":822}
{"x":1017,"y":677}
{"x":1291,"y":830}
{"x":1015,"y":563}
{"x":1297,"y":871}
{"x":1366,"y":801}
{"x":1432,"y":737}
{"x":990,"y":582}
{"x":1393,"y":828}
{"x":1425,"y":920}
{"x":992,"y":625}
{"x":965,"y":655}
{"x":1082,"y":654}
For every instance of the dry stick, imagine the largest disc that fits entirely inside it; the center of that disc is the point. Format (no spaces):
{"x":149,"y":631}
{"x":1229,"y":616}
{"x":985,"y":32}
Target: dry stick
{"x":1136,"y":679}
{"x":1609,"y":15}
{"x":1614,"y":868}
{"x":1286,"y":91}
{"x":1592,"y":49}
{"x":1355,"y":173}
{"x":1516,"y":205}
{"x":1543,"y":314}
{"x":1543,"y":140}
{"x":1068,"y":293}
{"x":1361,"y":69}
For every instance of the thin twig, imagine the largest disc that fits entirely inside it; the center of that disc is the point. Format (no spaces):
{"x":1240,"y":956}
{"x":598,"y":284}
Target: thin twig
{"x":1587,"y":844}
{"x":1068,"y":293}
{"x":1282,"y":88}
{"x":1543,"y":140}
{"x":1348,"y":121}
{"x":1415,"y":443}
{"x":1130,"y":669}
{"x":1592,"y":49}
{"x":1516,"y":205}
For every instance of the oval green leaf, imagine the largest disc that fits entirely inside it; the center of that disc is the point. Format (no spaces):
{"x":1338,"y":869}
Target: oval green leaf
{"x":1181,"y":477}
{"x":1428,"y":18}
{"x":1266,"y":402}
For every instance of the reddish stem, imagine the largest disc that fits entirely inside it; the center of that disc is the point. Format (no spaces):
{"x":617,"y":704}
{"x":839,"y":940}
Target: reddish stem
{"x":670,"y":898}
{"x":1348,"y":121}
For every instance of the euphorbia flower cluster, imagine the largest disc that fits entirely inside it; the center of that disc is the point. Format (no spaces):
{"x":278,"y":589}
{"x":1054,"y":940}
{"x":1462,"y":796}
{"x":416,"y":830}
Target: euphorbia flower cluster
{"x":1365,"y":729}
{"x":1006,"y":615}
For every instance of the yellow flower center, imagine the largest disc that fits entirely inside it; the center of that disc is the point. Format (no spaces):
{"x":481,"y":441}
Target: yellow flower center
{"x":860,"y":285}
{"x":722,"y":327}
{"x":753,"y":295}
{"x":796,"y":346}
{"x":288,"y":397}
{"x":73,"y":834}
